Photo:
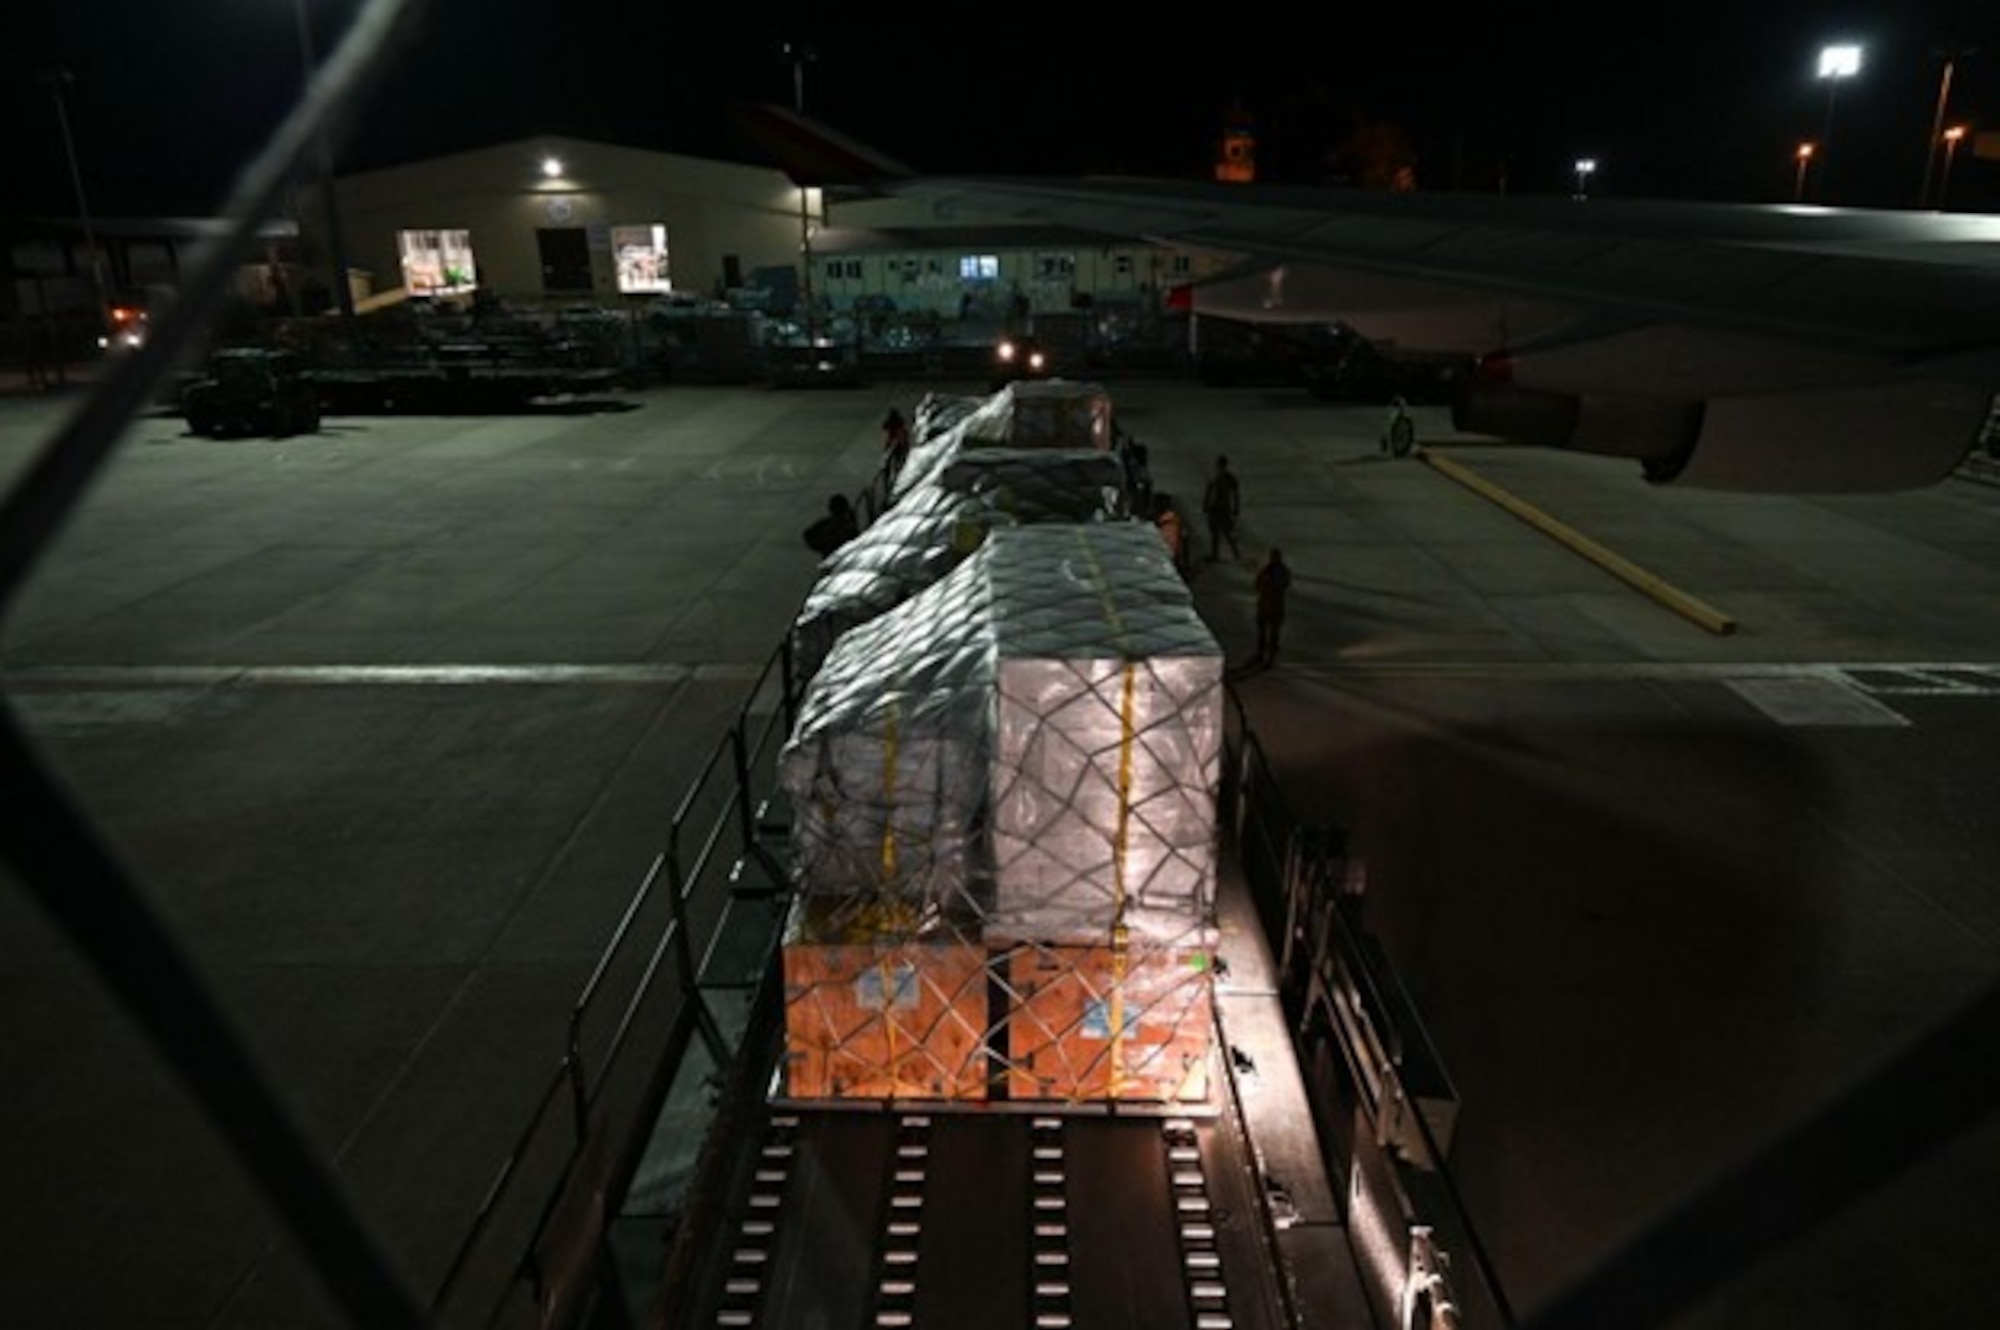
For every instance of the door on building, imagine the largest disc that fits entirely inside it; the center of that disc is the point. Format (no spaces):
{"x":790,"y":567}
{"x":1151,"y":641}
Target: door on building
{"x":565,"y":258}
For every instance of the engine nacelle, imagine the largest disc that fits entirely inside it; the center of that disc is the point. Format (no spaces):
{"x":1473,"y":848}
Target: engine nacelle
{"x":1877,"y":437}
{"x":1660,"y":435}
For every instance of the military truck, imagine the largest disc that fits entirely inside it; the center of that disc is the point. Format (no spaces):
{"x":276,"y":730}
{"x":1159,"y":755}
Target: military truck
{"x":252,"y":391}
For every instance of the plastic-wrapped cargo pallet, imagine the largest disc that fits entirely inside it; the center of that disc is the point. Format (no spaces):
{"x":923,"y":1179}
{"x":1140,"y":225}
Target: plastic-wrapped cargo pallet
{"x":936,"y":525}
{"x":1046,"y":413}
{"x":1019,"y":765}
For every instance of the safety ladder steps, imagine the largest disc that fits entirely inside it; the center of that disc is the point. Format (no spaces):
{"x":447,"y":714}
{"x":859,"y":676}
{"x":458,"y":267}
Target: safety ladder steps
{"x":1195,"y":1224}
{"x":757,"y":1230}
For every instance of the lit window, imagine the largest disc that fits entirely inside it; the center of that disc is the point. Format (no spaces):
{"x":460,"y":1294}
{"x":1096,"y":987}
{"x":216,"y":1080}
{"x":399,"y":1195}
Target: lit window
{"x":979,"y":267}
{"x":642,"y":258}
{"x":437,"y":263}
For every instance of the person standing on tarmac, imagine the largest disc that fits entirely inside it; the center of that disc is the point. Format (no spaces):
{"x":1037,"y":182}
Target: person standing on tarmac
{"x":895,"y":443}
{"x":1221,"y":503}
{"x":1167,"y":519}
{"x":838,"y":526}
{"x":1273,"y":580}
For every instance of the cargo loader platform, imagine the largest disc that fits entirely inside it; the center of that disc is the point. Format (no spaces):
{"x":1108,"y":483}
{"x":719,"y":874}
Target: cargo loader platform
{"x":979,"y":1219}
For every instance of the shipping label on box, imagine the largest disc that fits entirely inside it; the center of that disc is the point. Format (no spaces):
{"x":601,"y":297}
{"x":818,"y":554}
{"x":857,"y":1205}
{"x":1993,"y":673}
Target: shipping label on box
{"x":1103,"y":1022}
{"x":895,"y":1017}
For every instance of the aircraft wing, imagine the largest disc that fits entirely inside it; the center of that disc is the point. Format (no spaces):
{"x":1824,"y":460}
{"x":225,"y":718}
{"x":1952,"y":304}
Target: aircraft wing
{"x":1735,"y":346}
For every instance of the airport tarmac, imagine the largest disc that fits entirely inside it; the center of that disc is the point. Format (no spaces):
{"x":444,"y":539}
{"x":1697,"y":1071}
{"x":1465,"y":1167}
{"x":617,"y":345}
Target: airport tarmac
{"x":388,"y":721}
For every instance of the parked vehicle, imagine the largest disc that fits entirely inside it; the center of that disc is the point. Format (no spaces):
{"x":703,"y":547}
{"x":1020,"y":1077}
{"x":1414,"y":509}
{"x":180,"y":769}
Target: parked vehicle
{"x":1331,"y":361}
{"x":1016,"y":358}
{"x":249,"y":390}
{"x":1372,"y":372}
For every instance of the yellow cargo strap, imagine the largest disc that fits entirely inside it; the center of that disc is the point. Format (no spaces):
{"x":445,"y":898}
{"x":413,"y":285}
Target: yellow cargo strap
{"x":889,"y":741}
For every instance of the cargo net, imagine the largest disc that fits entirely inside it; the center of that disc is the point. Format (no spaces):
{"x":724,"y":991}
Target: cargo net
{"x":932,"y":529}
{"x":1004,"y":834}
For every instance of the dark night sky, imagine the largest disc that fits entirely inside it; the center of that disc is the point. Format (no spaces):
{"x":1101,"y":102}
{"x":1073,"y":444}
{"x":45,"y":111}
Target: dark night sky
{"x":1692,"y":100}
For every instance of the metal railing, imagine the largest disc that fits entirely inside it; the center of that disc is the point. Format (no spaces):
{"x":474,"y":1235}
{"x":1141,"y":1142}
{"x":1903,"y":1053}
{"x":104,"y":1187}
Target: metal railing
{"x":1385,"y":1118}
{"x":613,"y":1083}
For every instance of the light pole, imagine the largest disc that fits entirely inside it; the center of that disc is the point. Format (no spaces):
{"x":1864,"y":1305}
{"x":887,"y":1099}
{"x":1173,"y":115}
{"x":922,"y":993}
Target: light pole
{"x":801,"y":56}
{"x":1951,"y":138}
{"x":336,"y":242}
{"x":1585,"y":168}
{"x":1835,"y":63}
{"x":1804,"y":154}
{"x":57,"y":79}
{"x":1952,"y":55}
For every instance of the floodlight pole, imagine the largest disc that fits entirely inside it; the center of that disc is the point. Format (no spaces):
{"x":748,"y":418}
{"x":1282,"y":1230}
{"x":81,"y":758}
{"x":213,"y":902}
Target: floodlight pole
{"x":1951,"y":139}
{"x":800,"y":56}
{"x":1585,"y":168}
{"x":1835,"y":64}
{"x":56,"y":79}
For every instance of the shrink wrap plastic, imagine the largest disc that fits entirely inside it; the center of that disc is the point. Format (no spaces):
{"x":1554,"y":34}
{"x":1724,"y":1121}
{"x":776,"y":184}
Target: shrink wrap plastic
{"x":1047,"y":413}
{"x":933,"y":527}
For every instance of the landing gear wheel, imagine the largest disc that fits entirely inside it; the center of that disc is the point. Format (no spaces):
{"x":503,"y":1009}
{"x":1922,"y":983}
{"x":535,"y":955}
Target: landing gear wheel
{"x":1402,"y":437}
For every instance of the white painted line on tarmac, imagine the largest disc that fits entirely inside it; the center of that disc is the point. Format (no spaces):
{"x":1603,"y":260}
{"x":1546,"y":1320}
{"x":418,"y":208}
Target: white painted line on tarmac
{"x":1815,"y":702}
{"x":342,"y":676}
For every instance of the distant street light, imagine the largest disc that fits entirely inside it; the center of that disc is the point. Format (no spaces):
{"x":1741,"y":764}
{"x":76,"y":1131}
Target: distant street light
{"x":1951,"y":140}
{"x":1835,"y":63}
{"x":336,"y":242}
{"x":1804,"y":153}
{"x":1585,"y":168}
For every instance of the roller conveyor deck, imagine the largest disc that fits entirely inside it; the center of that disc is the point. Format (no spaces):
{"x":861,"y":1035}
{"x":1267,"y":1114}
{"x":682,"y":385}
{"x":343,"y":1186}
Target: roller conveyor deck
{"x":890,"y":1217}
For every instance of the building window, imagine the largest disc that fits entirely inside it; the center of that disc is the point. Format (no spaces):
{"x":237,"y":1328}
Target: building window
{"x":642,"y":258}
{"x":1180,"y":265}
{"x":1055,"y":267}
{"x":979,"y":267}
{"x":437,"y":263}
{"x":1122,"y":265}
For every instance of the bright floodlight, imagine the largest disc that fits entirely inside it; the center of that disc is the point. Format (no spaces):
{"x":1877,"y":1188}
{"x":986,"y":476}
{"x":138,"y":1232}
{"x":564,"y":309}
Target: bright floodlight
{"x":551,"y":167}
{"x":1839,"y":62}
{"x":1586,"y":165}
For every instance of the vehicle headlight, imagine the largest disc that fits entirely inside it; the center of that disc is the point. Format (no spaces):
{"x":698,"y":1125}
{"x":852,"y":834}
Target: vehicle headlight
{"x":1005,"y":350}
{"x":1035,"y":361}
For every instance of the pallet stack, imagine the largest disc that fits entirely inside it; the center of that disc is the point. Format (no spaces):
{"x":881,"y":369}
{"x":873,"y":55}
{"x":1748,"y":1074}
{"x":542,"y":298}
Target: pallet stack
{"x":1004,"y":832}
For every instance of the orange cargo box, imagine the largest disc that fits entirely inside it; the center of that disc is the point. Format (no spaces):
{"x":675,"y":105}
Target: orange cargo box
{"x":1094,"y":1022}
{"x":888,"y":1017}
